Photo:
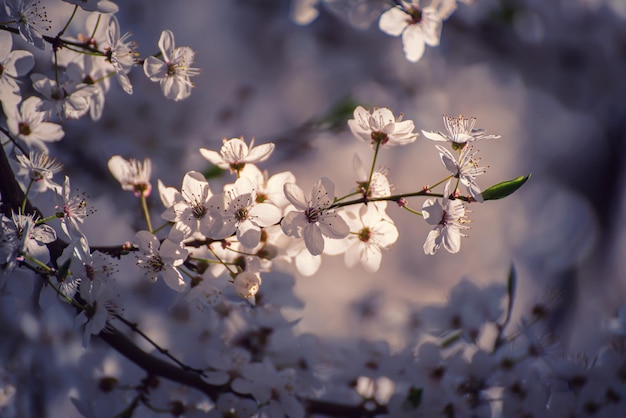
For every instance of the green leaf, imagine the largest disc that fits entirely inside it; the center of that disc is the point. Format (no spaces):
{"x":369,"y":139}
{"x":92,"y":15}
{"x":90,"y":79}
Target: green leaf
{"x":413,"y":398}
{"x":500,"y":190}
{"x":511,"y":285}
{"x":213,"y":172}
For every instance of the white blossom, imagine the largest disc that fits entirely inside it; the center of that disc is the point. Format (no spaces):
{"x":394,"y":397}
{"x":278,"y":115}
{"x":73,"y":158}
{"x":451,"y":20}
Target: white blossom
{"x":460,"y":131}
{"x":27,"y":123}
{"x":466,"y":169}
{"x":312,"y":218}
{"x":133,"y":175}
{"x":381,"y":127}
{"x":39,"y":168}
{"x":419,"y":26}
{"x":31,"y":18}
{"x":235,"y":154}
{"x":120,"y":53}
{"x":161,"y":259}
{"x":190,"y":208}
{"x":239,"y":212}
{"x":174,"y":72}
{"x":72,"y":208}
{"x":69,"y":100}
{"x":247,"y":285}
{"x":448,"y":216}
{"x":371,"y":232}
{"x":19,"y":236}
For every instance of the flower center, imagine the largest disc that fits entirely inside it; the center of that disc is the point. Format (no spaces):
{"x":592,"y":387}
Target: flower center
{"x":155,"y":263}
{"x":365,"y":234}
{"x":416,"y":15}
{"x":379,"y":138}
{"x":24,"y":128}
{"x":198,"y":211}
{"x":312,"y":215}
{"x":241,"y":214}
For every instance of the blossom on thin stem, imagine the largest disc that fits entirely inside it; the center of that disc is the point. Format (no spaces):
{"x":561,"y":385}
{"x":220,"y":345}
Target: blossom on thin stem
{"x":174,"y":72}
{"x":460,"y":131}
{"x":161,"y":259}
{"x":378,"y":187}
{"x":465,"y":169}
{"x":72,"y":210}
{"x":419,"y":26}
{"x":312,"y":218}
{"x":381,"y":127}
{"x":235,"y":154}
{"x":448,"y":216}
{"x":133,"y":175}
{"x":39,"y":168}
{"x":120,"y":53}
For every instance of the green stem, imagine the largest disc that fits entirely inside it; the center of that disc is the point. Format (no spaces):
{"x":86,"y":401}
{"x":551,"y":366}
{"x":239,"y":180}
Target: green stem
{"x":49,"y":218}
{"x":95,"y":28}
{"x":67,"y":25}
{"x":38,"y":263}
{"x":369,"y":180}
{"x":30,"y":184}
{"x":161,"y":227}
{"x":413,"y":211}
{"x":146,"y":213}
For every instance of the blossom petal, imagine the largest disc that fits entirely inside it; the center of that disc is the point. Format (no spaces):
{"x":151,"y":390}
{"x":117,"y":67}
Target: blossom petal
{"x":393,"y":21}
{"x":295,"y":195}
{"x":413,"y":43}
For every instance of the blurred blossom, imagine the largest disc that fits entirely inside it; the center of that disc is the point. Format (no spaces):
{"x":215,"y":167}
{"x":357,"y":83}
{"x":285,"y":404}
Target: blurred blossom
{"x":419,"y":26}
{"x":102,"y":6}
{"x":28,"y":123}
{"x":132,"y":174}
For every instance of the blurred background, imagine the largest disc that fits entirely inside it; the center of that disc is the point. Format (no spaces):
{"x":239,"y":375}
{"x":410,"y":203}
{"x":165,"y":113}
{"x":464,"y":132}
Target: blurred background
{"x":547,"y":76}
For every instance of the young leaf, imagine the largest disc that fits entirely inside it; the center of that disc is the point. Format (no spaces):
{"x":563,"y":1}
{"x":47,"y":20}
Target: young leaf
{"x":500,"y":190}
